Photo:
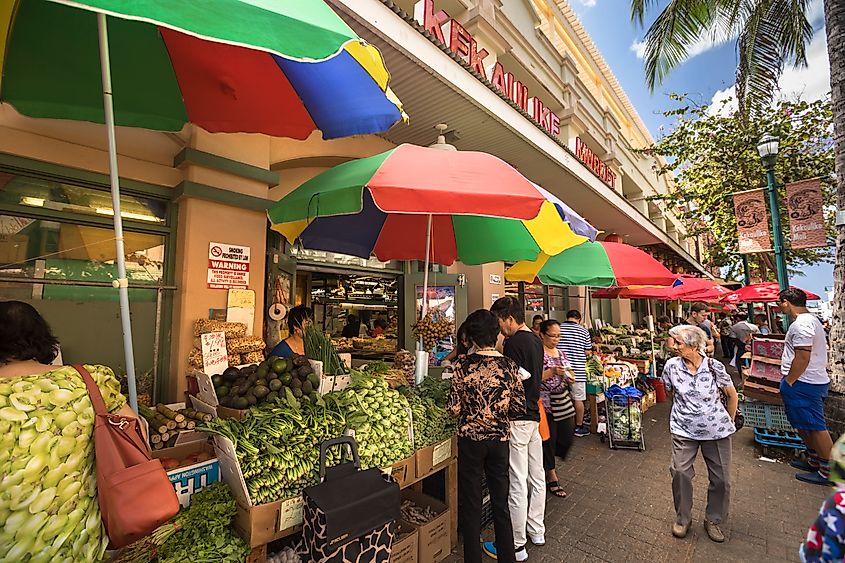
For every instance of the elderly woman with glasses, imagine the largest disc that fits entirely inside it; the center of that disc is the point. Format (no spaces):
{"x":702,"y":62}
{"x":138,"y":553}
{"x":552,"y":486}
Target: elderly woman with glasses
{"x":699,"y":420}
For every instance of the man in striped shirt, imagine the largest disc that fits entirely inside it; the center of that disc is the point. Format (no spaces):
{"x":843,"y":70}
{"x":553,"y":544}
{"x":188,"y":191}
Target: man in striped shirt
{"x":575,"y":342}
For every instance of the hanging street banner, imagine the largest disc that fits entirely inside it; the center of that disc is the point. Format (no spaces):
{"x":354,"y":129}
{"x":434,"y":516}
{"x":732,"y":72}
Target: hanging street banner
{"x":228,"y":266}
{"x":752,"y":222}
{"x":806,"y":214}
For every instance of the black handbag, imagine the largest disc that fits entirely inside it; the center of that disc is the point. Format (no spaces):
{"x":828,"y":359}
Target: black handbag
{"x":351,"y":516}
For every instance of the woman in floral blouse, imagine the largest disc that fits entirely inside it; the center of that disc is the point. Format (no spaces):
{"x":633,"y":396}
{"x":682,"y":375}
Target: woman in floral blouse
{"x":486,"y":394}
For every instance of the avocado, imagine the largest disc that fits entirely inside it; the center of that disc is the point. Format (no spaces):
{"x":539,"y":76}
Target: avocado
{"x":300,"y":361}
{"x":275,"y":384}
{"x":303,"y":372}
{"x":314,"y":396}
{"x":240,"y":403}
{"x":271,"y":397}
{"x":286,"y":378}
{"x":295,"y":383}
{"x":216,"y":380}
{"x":222,"y":391}
{"x":307,"y":387}
{"x":297,"y":392}
{"x":280,"y":366}
{"x":314,"y":379}
{"x":261,"y":381}
{"x":260,"y":391}
{"x":251,"y":399}
{"x":231,"y":373}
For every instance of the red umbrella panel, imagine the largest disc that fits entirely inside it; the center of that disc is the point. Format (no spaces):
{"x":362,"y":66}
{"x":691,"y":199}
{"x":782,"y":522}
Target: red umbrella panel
{"x":766,"y":292}
{"x":686,"y":288}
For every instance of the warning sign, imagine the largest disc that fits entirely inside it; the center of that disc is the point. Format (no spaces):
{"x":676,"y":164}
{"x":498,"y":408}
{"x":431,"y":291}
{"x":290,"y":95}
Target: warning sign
{"x":228,"y":266}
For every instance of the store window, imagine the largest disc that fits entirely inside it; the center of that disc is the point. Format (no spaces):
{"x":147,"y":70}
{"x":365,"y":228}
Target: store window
{"x":57,"y":252}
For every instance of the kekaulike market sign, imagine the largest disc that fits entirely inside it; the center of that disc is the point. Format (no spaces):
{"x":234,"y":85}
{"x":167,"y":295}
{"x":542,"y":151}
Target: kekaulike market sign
{"x":463,"y":44}
{"x":228,"y":266}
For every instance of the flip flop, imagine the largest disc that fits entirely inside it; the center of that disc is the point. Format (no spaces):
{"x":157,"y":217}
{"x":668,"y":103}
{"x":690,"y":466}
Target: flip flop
{"x":555,"y":488}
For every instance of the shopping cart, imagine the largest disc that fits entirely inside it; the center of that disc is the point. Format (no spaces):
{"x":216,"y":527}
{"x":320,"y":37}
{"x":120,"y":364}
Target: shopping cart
{"x":624,"y":418}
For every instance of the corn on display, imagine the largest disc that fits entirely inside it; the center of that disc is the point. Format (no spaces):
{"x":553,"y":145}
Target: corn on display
{"x":48,"y":492}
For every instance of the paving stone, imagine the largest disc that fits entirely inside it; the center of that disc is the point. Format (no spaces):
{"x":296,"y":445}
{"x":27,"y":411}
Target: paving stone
{"x":620,"y":507}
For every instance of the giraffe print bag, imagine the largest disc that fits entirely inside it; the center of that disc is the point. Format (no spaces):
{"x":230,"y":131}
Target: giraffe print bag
{"x":350,"y":517}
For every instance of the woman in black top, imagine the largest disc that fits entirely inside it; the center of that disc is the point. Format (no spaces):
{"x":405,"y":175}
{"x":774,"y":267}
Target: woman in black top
{"x":486,"y":395}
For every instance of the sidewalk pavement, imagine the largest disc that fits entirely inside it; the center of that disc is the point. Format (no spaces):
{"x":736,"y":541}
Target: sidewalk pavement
{"x":620,"y":508}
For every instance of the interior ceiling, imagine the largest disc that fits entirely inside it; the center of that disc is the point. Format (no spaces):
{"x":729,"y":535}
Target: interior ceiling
{"x":429,"y":101}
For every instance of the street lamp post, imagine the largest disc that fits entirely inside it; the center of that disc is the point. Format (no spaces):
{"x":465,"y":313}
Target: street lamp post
{"x":768,"y":149}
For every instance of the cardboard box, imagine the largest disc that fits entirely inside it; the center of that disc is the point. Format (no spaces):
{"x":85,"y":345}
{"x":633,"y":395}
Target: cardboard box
{"x":192,"y":478}
{"x":434,"y":542}
{"x":435,"y":457}
{"x":402,"y":471}
{"x":257,"y":524}
{"x":406,"y":549}
{"x":264,"y":523}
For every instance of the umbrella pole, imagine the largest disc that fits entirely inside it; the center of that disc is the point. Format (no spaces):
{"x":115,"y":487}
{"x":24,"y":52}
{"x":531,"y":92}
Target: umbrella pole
{"x":121,"y":283}
{"x":421,"y":368}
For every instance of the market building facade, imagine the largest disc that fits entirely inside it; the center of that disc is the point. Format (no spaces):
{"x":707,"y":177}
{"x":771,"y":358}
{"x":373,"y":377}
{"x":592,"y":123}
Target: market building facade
{"x":520,"y":80}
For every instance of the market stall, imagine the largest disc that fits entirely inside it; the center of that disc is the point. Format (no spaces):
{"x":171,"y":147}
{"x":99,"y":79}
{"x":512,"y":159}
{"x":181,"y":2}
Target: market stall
{"x":258,"y":427}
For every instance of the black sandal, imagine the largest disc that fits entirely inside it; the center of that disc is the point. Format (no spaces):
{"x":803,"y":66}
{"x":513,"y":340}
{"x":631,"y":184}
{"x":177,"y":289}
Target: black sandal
{"x":555,"y":488}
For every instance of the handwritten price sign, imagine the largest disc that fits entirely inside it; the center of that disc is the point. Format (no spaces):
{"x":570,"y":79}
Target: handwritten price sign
{"x":215,"y":358}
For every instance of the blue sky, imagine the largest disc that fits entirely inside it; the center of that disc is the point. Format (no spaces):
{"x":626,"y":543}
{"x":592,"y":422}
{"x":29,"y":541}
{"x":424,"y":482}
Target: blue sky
{"x":709,"y":75}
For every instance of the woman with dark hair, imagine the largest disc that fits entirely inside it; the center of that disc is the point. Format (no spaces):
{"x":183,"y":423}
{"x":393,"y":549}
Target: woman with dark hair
{"x":462,"y":346}
{"x":557,"y":402}
{"x":486,"y":395}
{"x":298,"y":318}
{"x":47,"y":426}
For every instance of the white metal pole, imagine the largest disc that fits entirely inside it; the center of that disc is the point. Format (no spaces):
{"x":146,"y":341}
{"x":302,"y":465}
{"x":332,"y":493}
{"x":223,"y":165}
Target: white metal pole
{"x":421,"y":368}
{"x":121,"y":283}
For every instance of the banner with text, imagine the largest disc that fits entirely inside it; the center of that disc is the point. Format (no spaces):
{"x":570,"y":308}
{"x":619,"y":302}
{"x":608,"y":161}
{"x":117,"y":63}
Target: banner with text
{"x":806,"y":214}
{"x":752,"y":222}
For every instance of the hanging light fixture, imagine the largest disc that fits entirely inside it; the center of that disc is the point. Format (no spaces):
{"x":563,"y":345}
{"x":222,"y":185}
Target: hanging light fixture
{"x":441,"y":143}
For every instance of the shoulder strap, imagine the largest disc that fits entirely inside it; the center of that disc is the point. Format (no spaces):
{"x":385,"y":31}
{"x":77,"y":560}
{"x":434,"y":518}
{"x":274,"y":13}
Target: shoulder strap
{"x":93,"y":391}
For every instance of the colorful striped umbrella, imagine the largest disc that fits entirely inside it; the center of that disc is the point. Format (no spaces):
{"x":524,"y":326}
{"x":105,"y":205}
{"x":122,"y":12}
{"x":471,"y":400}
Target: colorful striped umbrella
{"x":686,"y":288}
{"x":766,"y":292}
{"x":481,"y":210}
{"x":595,"y":264}
{"x":284,"y":68}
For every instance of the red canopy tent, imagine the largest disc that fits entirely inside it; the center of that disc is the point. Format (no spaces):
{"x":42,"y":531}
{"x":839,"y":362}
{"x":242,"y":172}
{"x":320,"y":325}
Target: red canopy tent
{"x":761,"y":293}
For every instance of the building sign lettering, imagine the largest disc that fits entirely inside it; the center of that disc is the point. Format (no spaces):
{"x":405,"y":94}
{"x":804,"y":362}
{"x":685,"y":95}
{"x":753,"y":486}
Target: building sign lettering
{"x":452,"y":34}
{"x":597,"y":165}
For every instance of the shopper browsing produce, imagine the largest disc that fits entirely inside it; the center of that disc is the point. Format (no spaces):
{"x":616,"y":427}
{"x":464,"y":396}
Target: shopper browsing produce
{"x":699,"y":420}
{"x":557,"y":401}
{"x":526,"y":446}
{"x":298,"y":318}
{"x":46,"y":446}
{"x":486,"y":394}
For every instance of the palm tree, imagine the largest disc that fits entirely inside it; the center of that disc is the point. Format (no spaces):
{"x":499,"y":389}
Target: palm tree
{"x":771,"y":34}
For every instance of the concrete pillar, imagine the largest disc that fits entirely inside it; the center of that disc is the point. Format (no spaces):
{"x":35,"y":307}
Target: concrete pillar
{"x":484,"y":283}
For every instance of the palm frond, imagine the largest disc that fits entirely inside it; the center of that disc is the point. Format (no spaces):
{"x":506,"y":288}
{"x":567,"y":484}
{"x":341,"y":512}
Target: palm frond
{"x":776,"y":33}
{"x":676,"y":28}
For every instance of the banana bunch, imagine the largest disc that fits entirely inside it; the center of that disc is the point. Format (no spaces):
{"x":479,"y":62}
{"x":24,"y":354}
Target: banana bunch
{"x":48,"y":489}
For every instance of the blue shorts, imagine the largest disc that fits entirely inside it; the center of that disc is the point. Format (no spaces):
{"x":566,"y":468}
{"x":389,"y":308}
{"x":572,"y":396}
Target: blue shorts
{"x":804,"y":404}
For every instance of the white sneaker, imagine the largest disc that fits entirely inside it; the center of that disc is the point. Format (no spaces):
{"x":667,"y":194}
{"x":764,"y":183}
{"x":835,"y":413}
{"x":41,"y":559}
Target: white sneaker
{"x":537,"y":540}
{"x":521,"y":554}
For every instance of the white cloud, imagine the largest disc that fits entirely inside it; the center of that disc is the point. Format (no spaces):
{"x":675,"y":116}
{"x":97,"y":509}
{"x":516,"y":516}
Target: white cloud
{"x":813,"y":81}
{"x":723,"y":102}
{"x":638,"y":47}
{"x":588,"y":3}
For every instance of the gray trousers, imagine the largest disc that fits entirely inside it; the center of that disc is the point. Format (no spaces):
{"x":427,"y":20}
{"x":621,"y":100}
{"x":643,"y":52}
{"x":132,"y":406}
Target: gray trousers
{"x":717,"y":456}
